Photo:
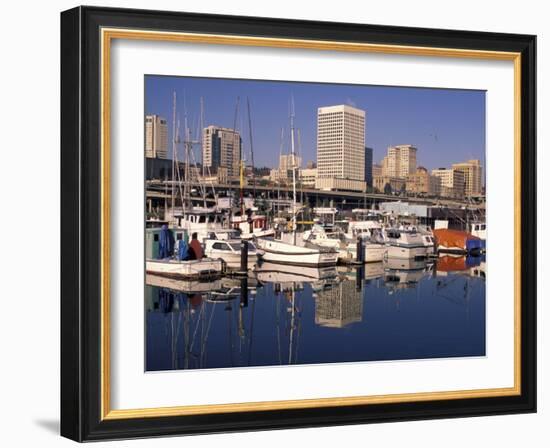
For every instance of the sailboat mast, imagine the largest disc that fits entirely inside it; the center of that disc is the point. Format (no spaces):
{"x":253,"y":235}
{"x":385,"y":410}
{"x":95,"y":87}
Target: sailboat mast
{"x":293,"y":158}
{"x":174,"y":149}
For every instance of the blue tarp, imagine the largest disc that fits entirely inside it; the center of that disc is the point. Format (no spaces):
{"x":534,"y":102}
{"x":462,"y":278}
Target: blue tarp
{"x":166,"y":242}
{"x":183,"y":250}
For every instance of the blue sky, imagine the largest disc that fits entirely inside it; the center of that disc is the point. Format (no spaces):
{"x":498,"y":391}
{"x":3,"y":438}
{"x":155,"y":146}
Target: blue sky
{"x":446,"y":126}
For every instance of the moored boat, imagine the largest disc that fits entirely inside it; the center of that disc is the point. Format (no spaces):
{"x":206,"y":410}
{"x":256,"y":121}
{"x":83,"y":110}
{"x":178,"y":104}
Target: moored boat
{"x":230,"y":251}
{"x":278,"y":251}
{"x":185,"y":269}
{"x":405,"y":244}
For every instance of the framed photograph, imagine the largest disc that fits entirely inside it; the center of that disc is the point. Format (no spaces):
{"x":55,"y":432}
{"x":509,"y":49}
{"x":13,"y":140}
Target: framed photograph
{"x":273,"y":223}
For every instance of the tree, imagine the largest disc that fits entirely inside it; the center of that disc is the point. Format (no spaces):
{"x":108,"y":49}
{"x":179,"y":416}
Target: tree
{"x":387,"y":189}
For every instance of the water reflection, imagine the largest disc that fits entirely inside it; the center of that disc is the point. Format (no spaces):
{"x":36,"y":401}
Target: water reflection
{"x":280,"y":315}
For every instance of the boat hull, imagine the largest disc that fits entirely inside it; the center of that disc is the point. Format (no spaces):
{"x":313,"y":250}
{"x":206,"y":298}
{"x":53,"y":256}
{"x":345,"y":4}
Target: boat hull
{"x":191,"y":269}
{"x":284,"y":253}
{"x":406,"y":252}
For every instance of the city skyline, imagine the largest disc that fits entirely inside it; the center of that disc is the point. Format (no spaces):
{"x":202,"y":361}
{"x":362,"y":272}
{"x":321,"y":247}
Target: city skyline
{"x":447,"y":126}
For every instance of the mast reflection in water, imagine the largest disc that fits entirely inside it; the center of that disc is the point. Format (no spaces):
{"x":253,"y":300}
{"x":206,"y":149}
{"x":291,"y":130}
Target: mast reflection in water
{"x":280,"y":315}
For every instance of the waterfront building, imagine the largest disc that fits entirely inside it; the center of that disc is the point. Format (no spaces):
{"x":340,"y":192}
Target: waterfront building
{"x":341,"y":143}
{"x":472,"y":176}
{"x":451,"y":182}
{"x":156,"y":137}
{"x":389,"y":184}
{"x":308,"y":176}
{"x":221,"y":147}
{"x":339,"y":306}
{"x":368,"y":166}
{"x":422,"y":182}
{"x":400,"y":161}
{"x":376,"y":170}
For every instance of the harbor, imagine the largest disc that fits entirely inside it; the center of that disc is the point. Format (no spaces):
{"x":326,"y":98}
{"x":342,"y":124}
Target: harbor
{"x":335,"y":262}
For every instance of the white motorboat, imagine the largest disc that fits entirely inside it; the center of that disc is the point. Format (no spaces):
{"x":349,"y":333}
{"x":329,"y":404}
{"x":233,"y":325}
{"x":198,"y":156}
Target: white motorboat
{"x":185,"y":269}
{"x":230,"y":252}
{"x":479,"y":229}
{"x":405,"y":244}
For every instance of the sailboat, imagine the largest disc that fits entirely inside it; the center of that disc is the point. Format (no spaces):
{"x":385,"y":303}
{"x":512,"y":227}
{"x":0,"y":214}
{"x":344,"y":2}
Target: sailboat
{"x":298,"y":253}
{"x":167,"y":252}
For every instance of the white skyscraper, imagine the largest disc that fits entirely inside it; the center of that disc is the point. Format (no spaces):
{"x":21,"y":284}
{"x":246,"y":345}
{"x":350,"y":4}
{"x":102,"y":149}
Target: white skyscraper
{"x":341,"y":143}
{"x":156,"y":137}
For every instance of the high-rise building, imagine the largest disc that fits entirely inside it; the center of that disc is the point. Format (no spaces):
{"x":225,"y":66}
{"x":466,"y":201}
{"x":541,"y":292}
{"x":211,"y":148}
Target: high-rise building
{"x":156,"y":137}
{"x":221,"y":147}
{"x":400,"y":161}
{"x":376,"y":170}
{"x":472,"y":176}
{"x":451,"y":182}
{"x":368,"y":166}
{"x":341,"y":143}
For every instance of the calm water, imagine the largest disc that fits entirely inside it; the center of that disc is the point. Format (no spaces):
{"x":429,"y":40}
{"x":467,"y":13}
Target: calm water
{"x":289,"y":315}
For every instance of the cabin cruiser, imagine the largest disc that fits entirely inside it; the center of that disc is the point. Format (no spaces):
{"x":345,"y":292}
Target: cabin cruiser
{"x":230,"y":251}
{"x":405,"y":244}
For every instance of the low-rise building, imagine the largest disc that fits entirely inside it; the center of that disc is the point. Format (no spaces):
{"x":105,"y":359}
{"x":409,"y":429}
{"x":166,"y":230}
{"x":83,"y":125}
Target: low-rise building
{"x":422,"y":182}
{"x":308,"y":176}
{"x":389,"y":184}
{"x":339,"y":184}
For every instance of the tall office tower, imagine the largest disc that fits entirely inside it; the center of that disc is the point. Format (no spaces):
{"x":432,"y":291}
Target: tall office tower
{"x":341,"y":143}
{"x":472,"y":176}
{"x":400,"y":161}
{"x":221,"y":147}
{"x":156,"y":137}
{"x":368,"y":166}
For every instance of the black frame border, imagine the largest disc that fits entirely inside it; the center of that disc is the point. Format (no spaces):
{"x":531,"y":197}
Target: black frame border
{"x":81,"y":223}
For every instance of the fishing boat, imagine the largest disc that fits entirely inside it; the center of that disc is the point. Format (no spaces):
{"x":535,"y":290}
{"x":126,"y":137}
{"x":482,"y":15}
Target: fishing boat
{"x":479,"y":229}
{"x":230,"y":251}
{"x":405,"y":244}
{"x":252,"y":226}
{"x":169,"y":257}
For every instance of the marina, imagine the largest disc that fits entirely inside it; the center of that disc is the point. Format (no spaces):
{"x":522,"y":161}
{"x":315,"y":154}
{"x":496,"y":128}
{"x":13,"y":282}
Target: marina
{"x":253,"y":267}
